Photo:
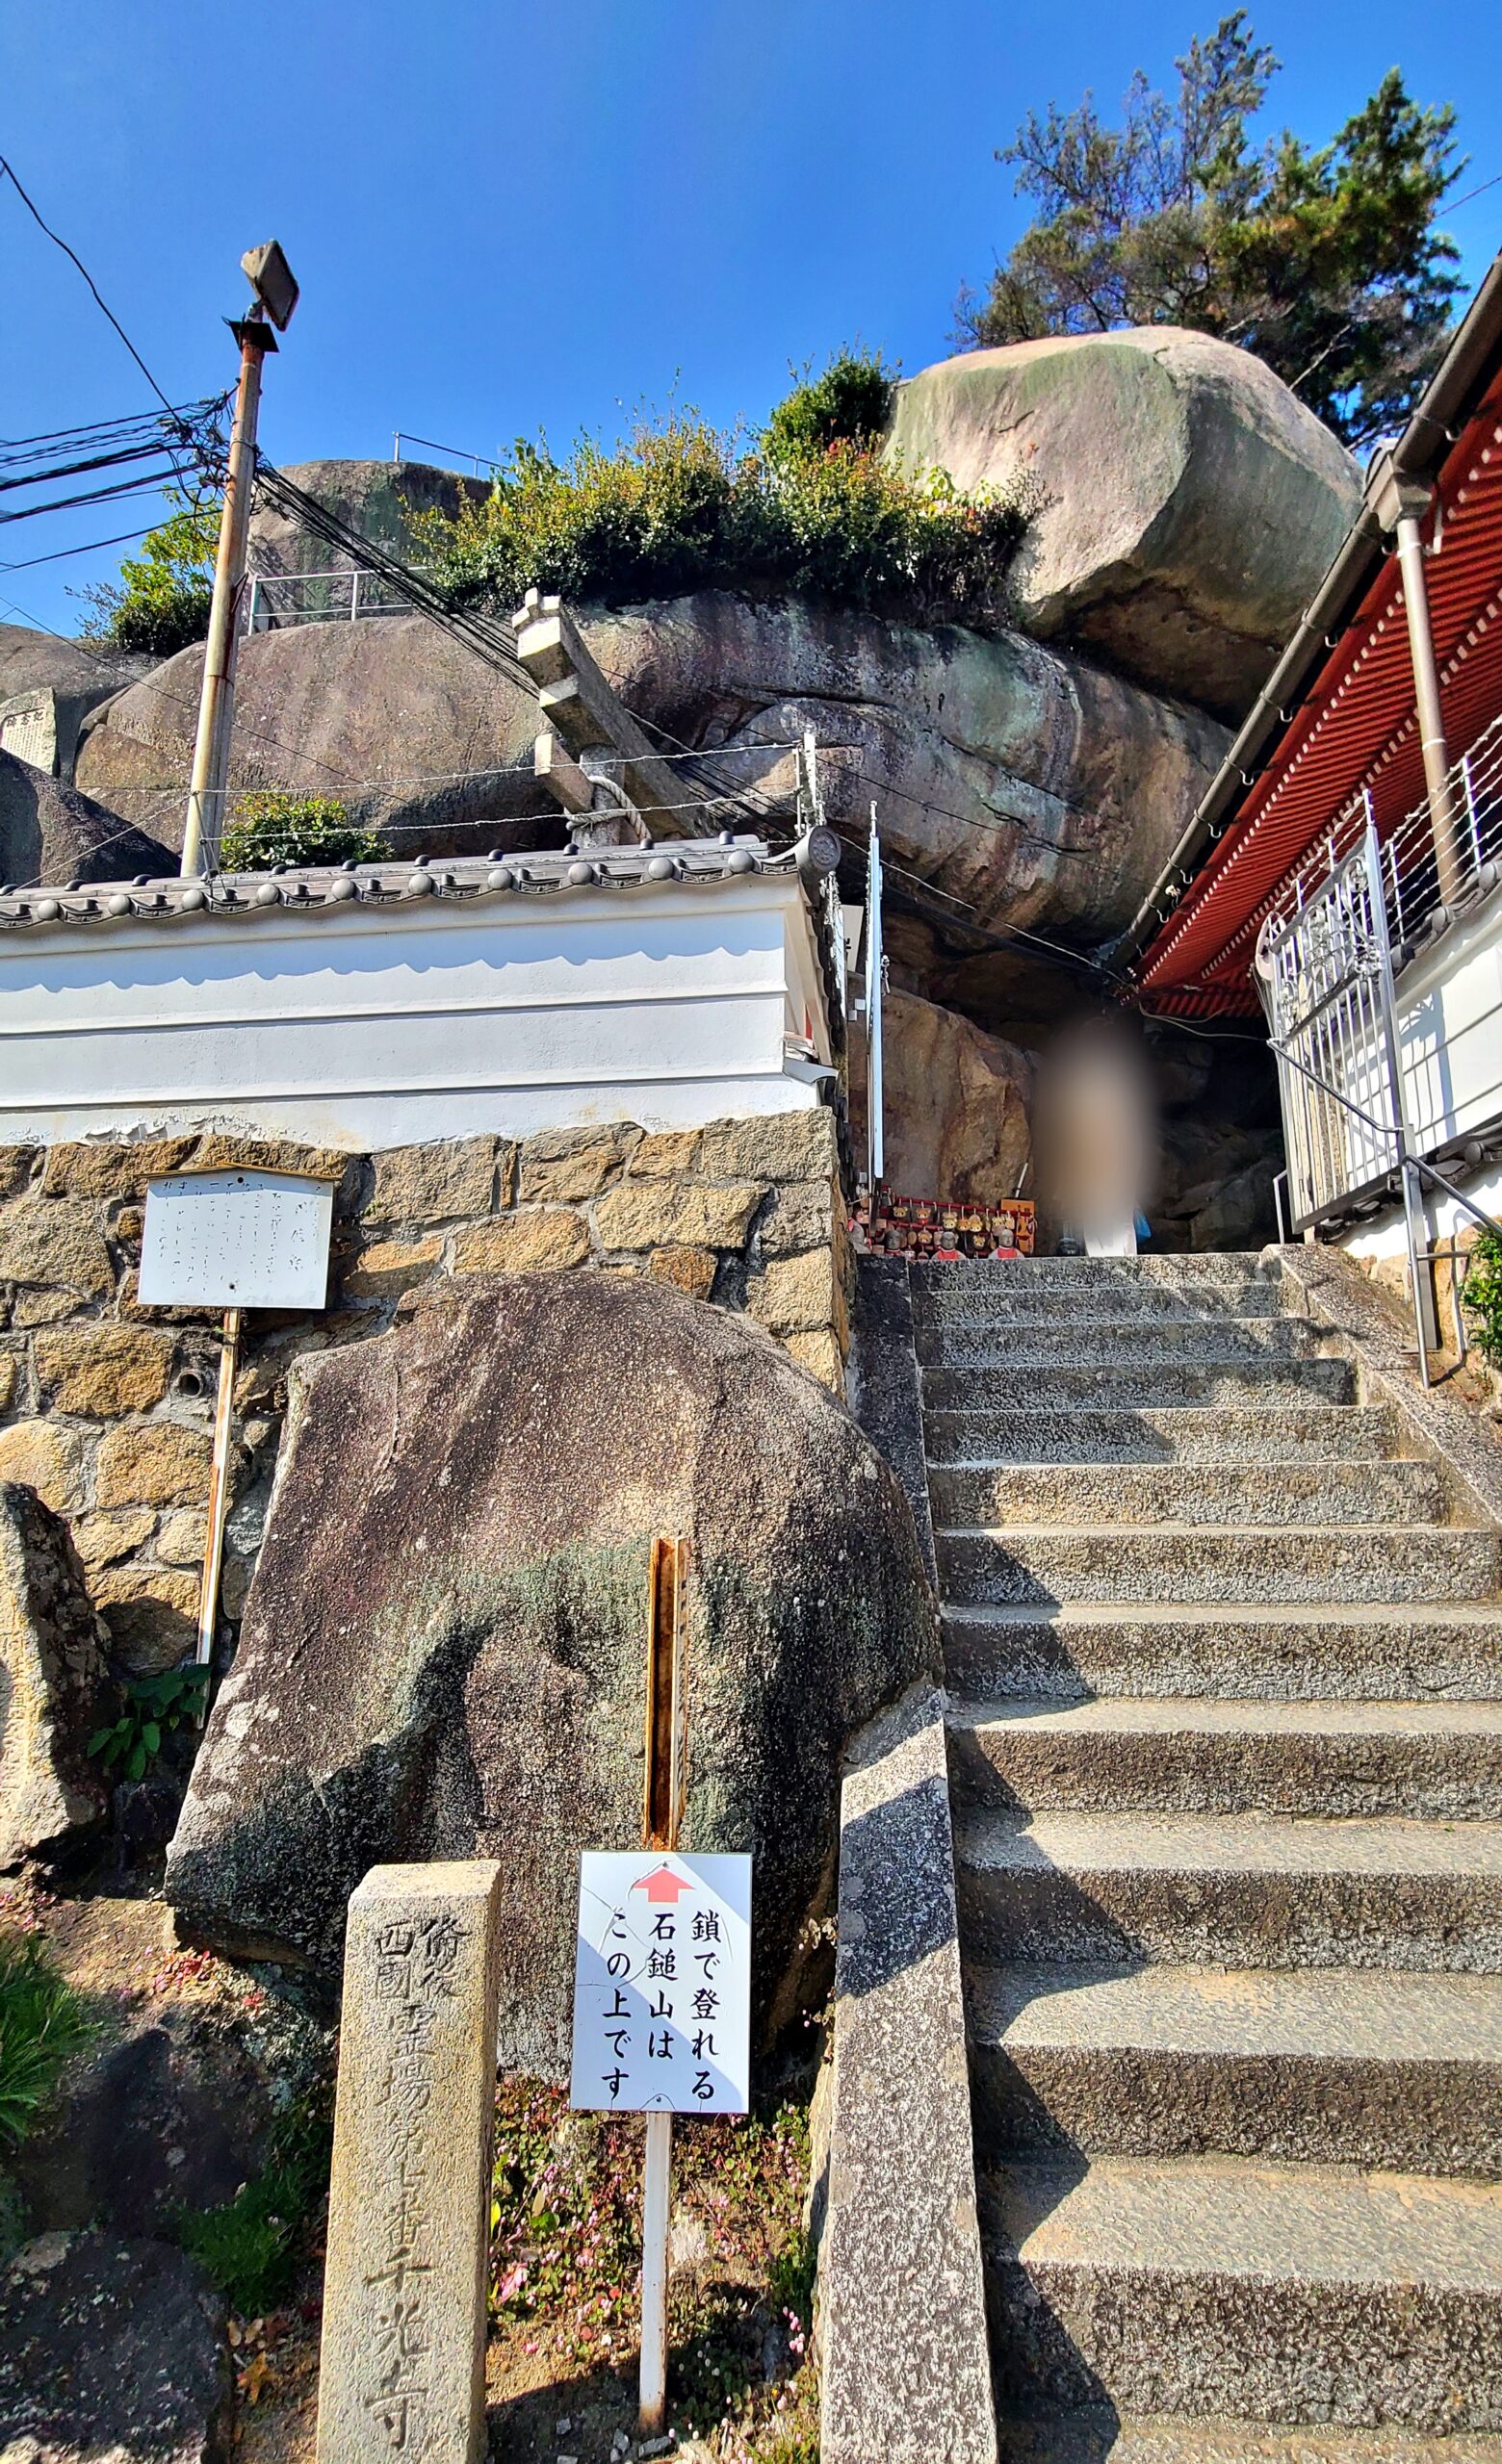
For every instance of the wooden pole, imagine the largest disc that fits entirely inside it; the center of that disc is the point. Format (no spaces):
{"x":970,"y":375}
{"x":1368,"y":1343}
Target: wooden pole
{"x":218,"y":1487}
{"x":661,"y":1813}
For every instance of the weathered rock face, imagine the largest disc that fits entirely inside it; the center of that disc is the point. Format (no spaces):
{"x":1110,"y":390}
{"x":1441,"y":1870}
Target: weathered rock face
{"x":376,"y":499}
{"x":443,"y":1650}
{"x":338,"y":709}
{"x":110,"y":2351}
{"x":1022,"y":782}
{"x":50,"y":1673}
{"x":50,"y":832}
{"x":29,"y":657}
{"x":1190,"y":503}
{"x":955,"y":1114}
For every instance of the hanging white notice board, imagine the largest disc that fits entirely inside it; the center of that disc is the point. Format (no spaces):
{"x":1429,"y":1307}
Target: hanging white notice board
{"x":236,"y":1240}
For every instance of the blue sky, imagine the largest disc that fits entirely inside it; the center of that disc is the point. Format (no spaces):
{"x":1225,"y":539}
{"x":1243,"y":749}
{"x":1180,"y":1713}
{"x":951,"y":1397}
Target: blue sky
{"x":508,"y":219}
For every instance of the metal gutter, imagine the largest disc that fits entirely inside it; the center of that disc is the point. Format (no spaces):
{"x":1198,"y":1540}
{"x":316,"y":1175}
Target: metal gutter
{"x":1419,"y":454}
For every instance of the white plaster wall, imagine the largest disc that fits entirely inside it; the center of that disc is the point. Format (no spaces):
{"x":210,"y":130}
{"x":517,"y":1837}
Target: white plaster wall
{"x":370,"y":1028}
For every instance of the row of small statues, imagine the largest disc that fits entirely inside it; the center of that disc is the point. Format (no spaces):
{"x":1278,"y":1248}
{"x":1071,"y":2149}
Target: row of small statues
{"x":917,"y":1228}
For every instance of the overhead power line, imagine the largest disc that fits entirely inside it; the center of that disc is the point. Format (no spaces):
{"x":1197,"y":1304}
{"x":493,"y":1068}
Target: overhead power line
{"x":7,"y":171}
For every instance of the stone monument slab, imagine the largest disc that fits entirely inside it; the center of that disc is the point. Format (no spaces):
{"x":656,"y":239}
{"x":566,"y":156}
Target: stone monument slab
{"x":404,"y":2349}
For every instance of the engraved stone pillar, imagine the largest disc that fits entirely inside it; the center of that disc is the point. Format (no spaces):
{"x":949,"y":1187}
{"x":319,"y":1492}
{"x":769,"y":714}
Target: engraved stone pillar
{"x":403,"y":2354}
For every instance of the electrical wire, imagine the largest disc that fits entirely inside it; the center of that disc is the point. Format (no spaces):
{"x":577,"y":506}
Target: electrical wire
{"x":59,"y":555}
{"x":7,"y":170}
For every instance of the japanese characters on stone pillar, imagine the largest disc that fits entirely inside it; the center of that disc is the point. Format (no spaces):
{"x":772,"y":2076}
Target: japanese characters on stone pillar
{"x":403,"y":2351}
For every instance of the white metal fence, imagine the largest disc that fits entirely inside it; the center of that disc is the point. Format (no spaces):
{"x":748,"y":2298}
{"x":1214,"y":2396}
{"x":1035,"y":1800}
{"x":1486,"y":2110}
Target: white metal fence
{"x":272,"y":601}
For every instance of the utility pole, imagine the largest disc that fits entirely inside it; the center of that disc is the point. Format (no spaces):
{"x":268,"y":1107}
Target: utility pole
{"x":276,"y":297}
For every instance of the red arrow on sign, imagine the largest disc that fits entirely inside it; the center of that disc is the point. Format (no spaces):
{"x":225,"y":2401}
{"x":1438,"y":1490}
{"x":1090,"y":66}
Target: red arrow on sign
{"x":663,"y":1888}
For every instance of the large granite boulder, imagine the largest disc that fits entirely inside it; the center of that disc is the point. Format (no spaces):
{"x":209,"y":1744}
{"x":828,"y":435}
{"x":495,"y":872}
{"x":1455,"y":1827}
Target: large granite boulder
{"x":1188,"y":503}
{"x":955,"y":1104}
{"x":375,"y":499}
{"x":51,"y":833}
{"x":340,"y":709}
{"x":1025,"y":786}
{"x":85,"y":670}
{"x":51,"y":1672}
{"x":442,"y":1652}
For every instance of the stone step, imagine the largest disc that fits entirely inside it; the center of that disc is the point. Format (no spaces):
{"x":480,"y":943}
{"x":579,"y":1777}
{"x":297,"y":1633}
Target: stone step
{"x":1311,"y":2066}
{"x":1283,"y":1433}
{"x":1284,"y":2293}
{"x":1379,"y":1563}
{"x":1140,"y":1385}
{"x":1074,"y":1342}
{"x":1234,"y":1890}
{"x":1289,"y":1653}
{"x":1105,"y":2437}
{"x":1197,"y":1267}
{"x":1135,"y":1754}
{"x":1186,"y":1493}
{"x":965,"y":1300}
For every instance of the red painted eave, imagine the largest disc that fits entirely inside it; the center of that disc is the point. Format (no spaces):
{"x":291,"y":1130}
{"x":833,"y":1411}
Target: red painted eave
{"x":1355,"y":732}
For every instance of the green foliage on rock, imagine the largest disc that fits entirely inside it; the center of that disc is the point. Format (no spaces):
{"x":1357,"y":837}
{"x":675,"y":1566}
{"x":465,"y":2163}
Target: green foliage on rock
{"x":809,"y":507}
{"x":1323,"y":261}
{"x":253,"y":2245}
{"x":152,"y":1709}
{"x":849,"y":404}
{"x":42,"y":2025}
{"x":1484,"y":1297}
{"x":272,"y":828}
{"x":161,"y":602}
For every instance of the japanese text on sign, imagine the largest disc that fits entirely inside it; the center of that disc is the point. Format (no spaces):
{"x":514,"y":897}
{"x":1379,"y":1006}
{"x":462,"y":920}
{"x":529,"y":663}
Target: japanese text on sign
{"x":662,"y":1983}
{"x":236,"y":1240}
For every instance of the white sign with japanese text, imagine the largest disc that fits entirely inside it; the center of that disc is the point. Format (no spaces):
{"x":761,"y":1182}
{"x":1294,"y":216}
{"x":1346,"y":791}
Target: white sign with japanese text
{"x":236,"y":1240}
{"x":662,"y":1983}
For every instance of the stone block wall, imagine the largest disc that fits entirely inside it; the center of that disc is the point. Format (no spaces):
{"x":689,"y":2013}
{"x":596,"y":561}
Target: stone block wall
{"x":106,"y":1408}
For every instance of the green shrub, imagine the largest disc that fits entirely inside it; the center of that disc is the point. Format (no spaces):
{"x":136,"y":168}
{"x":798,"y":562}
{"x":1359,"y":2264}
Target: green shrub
{"x":678,"y":506}
{"x":849,"y":404}
{"x":274,"y":828}
{"x":1484,"y":1297}
{"x":252,"y":2245}
{"x":42,"y":2025}
{"x":161,"y":602}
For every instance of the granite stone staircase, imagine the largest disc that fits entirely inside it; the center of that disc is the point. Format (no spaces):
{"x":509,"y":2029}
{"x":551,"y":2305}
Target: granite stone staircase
{"x":1225,"y":1675}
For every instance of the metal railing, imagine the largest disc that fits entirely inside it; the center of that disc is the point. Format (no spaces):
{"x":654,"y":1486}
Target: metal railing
{"x":1433,"y":868}
{"x":1325,"y":975}
{"x":339,"y":596}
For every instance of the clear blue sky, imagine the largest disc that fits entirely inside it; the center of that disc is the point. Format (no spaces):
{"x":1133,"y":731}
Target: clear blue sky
{"x":513,"y":217}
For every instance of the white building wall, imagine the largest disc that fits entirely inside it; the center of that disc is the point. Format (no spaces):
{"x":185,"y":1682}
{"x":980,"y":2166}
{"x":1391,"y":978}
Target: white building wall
{"x":349,"y":1026}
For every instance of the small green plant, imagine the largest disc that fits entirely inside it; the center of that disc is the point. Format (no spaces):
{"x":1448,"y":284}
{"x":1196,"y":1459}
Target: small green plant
{"x":849,"y":404}
{"x":151,"y":1708}
{"x":42,"y":2025}
{"x":253,"y":2245}
{"x":272,"y":828}
{"x":161,"y":601}
{"x":1484,"y":1297}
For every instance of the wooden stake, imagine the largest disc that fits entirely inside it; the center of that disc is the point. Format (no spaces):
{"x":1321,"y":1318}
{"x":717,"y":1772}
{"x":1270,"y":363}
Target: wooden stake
{"x":219,"y":1488}
{"x":661,"y":1813}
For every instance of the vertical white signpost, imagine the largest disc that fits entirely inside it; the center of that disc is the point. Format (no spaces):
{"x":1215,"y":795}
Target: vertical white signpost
{"x":661,"y":2026}
{"x":663,"y":1966}
{"x":232,"y":1240}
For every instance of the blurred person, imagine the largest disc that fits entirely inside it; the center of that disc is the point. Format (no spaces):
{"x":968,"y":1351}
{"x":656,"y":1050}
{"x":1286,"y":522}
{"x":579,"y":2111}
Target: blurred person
{"x":1096,"y":1136}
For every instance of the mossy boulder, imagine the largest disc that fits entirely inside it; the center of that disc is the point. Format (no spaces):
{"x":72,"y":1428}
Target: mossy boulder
{"x":443,"y":1653}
